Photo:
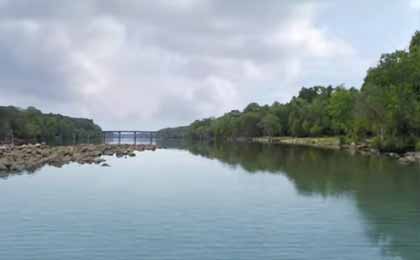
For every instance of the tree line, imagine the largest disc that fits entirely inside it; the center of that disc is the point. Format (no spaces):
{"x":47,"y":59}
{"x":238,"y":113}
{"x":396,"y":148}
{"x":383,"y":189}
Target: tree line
{"x":31,"y":125}
{"x":385,"y":110}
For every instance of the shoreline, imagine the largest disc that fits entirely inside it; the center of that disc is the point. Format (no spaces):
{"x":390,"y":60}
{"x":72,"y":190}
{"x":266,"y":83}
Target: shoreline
{"x":14,"y":159}
{"x":320,"y":142}
{"x":333,"y":143}
{"x":31,"y":157}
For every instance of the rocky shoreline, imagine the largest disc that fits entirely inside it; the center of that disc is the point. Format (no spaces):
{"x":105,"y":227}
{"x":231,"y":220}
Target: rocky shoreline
{"x":14,"y":159}
{"x":365,"y":149}
{"x":334,"y":143}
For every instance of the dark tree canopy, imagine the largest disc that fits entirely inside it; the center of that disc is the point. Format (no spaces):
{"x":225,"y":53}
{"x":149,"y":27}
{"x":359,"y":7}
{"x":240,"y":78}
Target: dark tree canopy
{"x":31,"y":125}
{"x":415,"y":42}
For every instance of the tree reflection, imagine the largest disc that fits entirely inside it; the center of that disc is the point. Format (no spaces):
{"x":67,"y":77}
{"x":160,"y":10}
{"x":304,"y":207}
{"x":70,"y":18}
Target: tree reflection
{"x":386,"y":193}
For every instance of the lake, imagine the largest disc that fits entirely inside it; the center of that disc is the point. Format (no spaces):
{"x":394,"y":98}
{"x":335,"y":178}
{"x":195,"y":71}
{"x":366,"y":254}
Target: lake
{"x":215,"y":201}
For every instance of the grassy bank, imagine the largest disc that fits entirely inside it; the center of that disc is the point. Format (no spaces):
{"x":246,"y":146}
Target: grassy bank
{"x":321,"y":142}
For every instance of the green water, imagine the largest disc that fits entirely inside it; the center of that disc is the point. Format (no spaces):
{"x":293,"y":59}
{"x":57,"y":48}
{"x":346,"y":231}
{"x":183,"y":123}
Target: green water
{"x":225,"y":201}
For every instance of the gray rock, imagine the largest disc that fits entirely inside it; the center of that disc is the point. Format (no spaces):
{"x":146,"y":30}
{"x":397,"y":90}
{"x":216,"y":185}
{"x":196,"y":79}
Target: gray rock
{"x":393,"y":155}
{"x":3,"y":166}
{"x":31,"y":157}
{"x":408,"y":159}
{"x":17,"y":167}
{"x":99,"y":161}
{"x":108,"y":152}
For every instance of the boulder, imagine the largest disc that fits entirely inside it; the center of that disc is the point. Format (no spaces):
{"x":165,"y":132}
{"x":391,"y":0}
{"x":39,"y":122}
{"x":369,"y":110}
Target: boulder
{"x":3,"y":166}
{"x":407,"y":158}
{"x":17,"y":167}
{"x":99,"y":161}
{"x":108,"y":152}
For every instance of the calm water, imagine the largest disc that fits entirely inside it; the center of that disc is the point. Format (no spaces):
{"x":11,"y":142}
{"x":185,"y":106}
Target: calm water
{"x":215,"y":202}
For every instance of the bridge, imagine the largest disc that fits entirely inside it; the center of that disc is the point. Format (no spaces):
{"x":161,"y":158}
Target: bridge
{"x":135,"y":134}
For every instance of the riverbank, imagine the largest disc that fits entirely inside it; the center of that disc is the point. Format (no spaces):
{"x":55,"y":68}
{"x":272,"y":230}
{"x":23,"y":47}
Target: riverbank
{"x":321,"y":142}
{"x":334,"y":143}
{"x":35,"y":156}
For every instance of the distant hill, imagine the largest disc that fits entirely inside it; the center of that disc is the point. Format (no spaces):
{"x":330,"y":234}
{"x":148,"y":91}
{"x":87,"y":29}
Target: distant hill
{"x":31,"y":125}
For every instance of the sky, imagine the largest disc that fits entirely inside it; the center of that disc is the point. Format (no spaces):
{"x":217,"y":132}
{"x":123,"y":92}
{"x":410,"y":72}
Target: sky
{"x":145,"y":65}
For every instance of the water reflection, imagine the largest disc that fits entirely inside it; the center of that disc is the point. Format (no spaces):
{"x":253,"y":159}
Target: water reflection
{"x":383,"y":194}
{"x":386,"y":193}
{"x":129,"y":140}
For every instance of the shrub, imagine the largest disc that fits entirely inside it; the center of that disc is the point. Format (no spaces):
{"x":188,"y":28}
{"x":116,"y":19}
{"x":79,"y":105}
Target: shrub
{"x":418,"y":146}
{"x":394,"y":144}
{"x":376,"y":143}
{"x":346,"y":139}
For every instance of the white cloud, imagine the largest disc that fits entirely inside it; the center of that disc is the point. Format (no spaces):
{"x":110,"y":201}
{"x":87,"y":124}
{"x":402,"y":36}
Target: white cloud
{"x":415,"y":4}
{"x":149,"y":65}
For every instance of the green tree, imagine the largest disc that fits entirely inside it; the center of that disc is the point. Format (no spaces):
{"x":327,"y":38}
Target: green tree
{"x":249,"y":124}
{"x":415,"y":42}
{"x":270,"y":125}
{"x":253,"y":107}
{"x":341,"y":109}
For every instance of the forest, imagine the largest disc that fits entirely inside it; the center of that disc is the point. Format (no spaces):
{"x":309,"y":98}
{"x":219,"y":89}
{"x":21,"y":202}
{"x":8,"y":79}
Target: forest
{"x":385,"y":110}
{"x":31,"y":125}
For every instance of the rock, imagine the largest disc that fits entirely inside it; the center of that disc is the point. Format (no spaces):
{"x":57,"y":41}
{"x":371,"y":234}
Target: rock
{"x":3,"y":166}
{"x":85,"y":149}
{"x":108,"y":152}
{"x":32,"y":157}
{"x":413,"y":155}
{"x":374,"y":151}
{"x":417,"y":155}
{"x":67,"y":158}
{"x":362,"y":147}
{"x":408,"y":159}
{"x":105,"y":165}
{"x":99,"y":161}
{"x":393,"y":155}
{"x":88,"y":160}
{"x":17,"y":167}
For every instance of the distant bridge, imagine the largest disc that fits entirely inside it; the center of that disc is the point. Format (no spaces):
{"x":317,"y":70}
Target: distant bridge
{"x":135,"y":134}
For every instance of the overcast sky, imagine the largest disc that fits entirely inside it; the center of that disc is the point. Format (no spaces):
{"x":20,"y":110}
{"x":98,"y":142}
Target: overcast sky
{"x":145,"y":64}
